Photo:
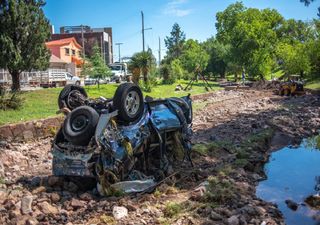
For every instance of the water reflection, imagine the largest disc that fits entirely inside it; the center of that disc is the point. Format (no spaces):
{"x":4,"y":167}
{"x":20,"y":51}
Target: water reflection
{"x":293,"y":173}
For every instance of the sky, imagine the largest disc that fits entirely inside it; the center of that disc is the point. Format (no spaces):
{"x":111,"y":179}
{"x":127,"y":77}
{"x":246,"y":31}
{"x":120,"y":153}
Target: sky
{"x":196,"y":18}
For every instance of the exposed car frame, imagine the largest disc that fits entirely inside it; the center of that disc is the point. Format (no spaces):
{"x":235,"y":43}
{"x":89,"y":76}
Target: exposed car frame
{"x":126,"y":138}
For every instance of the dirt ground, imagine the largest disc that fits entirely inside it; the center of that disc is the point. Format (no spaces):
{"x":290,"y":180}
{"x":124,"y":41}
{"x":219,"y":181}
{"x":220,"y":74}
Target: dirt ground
{"x":234,"y":133}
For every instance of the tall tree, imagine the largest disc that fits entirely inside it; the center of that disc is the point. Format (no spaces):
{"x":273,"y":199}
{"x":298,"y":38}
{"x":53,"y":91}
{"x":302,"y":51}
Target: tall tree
{"x":99,"y":70}
{"x":251,"y":34}
{"x":218,"y":53}
{"x":194,"y":58}
{"x":175,"y":41}
{"x":24,"y":30}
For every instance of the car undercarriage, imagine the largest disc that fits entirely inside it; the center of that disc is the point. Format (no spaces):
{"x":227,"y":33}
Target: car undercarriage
{"x":127,"y":142}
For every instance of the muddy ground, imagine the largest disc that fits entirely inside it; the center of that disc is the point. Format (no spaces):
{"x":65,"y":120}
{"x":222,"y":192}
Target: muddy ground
{"x":234,"y":133}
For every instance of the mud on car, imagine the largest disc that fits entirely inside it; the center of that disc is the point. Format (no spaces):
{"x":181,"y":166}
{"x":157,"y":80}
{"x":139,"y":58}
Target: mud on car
{"x":127,"y":142}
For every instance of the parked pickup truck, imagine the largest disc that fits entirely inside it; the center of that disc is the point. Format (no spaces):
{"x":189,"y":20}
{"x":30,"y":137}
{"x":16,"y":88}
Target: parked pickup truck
{"x":119,"y":71}
{"x":54,"y":78}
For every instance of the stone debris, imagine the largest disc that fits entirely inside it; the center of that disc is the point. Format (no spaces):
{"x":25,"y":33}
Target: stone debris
{"x":29,"y":194}
{"x":119,"y":212}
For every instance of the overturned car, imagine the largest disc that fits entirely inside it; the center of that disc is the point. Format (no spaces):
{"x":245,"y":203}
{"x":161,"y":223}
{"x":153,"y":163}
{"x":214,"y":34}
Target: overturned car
{"x":123,"y":139}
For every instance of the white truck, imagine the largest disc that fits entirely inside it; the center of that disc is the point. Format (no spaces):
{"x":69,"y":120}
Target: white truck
{"x":54,"y":78}
{"x":119,"y":71}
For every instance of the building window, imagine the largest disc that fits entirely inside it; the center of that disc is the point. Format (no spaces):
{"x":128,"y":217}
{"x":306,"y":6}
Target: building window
{"x":67,"y":51}
{"x":79,"y":53}
{"x":73,"y":52}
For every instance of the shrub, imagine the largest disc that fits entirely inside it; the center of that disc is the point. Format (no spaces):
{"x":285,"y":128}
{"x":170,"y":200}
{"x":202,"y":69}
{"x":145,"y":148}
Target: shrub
{"x":172,"y":209}
{"x":220,"y":189}
{"x":10,"y":100}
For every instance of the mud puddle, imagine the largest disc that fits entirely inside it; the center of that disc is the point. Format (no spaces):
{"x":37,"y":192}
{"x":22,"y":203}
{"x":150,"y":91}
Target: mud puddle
{"x":293,"y":174}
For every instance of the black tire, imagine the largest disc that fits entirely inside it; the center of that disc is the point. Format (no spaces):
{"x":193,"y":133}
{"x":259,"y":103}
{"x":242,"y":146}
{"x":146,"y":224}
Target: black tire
{"x":64,"y":94}
{"x":130,"y":95}
{"x":80,"y":124}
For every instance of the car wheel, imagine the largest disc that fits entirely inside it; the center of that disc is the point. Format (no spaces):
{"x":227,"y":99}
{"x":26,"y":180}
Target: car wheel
{"x":72,"y":96}
{"x":78,"y":83}
{"x":80,"y":124}
{"x":128,"y":100}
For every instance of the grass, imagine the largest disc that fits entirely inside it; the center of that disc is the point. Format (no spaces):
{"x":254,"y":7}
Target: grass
{"x":314,"y":85}
{"x":41,"y":104}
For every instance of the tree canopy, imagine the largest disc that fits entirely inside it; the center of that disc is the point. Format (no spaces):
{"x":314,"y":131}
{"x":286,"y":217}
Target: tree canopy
{"x":175,"y":41}
{"x":24,"y":30}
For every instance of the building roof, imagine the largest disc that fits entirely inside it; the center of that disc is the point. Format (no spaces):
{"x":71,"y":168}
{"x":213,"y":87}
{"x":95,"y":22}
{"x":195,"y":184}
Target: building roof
{"x":55,"y":59}
{"x":64,"y":41}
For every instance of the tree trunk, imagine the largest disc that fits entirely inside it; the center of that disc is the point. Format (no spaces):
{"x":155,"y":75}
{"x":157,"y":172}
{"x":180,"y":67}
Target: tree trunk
{"x":15,"y":75}
{"x":145,"y":74}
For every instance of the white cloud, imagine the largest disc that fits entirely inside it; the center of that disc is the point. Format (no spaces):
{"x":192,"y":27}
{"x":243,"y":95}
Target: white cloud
{"x":174,"y":7}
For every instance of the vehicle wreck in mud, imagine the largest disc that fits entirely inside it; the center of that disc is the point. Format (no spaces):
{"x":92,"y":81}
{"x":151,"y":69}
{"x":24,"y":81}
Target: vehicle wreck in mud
{"x":126,"y":142}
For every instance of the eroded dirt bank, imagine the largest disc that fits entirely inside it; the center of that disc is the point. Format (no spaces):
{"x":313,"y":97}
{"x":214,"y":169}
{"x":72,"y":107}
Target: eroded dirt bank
{"x":232,"y":135}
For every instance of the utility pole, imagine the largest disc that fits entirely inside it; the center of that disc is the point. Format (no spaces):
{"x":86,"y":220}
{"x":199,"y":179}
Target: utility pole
{"x":82,"y":38}
{"x":143,"y":29}
{"x":142,"y":18}
{"x":119,"y":44}
{"x":159,"y":51}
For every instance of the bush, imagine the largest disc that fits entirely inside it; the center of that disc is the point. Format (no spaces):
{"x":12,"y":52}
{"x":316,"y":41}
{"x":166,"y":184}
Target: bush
{"x":171,"y":209}
{"x":220,"y":189}
{"x":145,"y":86}
{"x":10,"y":100}
{"x":177,"y":70}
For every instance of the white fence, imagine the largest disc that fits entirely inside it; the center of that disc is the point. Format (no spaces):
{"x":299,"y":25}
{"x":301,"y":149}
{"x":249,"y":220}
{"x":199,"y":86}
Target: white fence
{"x":34,"y":77}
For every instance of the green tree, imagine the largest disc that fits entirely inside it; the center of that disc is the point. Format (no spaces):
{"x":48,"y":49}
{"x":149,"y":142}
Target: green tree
{"x":142,"y":62}
{"x":98,"y":70}
{"x":293,"y":58}
{"x":174,"y":42}
{"x":194,"y":58}
{"x":218,"y":61}
{"x":23,"y":32}
{"x":251,"y":35}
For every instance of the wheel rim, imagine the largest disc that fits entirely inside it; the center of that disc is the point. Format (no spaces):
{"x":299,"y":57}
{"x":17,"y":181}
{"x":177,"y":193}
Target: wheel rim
{"x":132,"y":103}
{"x":79,"y":123}
{"x":75,"y":99}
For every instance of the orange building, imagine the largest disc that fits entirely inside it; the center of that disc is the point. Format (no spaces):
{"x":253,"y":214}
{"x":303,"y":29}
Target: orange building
{"x":69,"y":52}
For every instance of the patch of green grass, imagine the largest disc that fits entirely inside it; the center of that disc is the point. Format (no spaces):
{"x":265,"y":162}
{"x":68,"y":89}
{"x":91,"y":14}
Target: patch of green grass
{"x":43,"y":103}
{"x":219,"y":190}
{"x":172,"y":209}
{"x":314,"y":84}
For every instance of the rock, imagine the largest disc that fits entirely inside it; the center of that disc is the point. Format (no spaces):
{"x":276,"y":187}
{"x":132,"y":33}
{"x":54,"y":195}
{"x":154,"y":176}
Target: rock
{"x":52,"y":181}
{"x":313,"y":201}
{"x":233,"y":220}
{"x":26,"y":203}
{"x":39,"y":190}
{"x":215,"y":216}
{"x":292,"y":205}
{"x":119,"y":212}
{"x":46,"y":208}
{"x":76,"y":204}
{"x":86,"y":196}
{"x":55,"y":197}
{"x":32,"y":221}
